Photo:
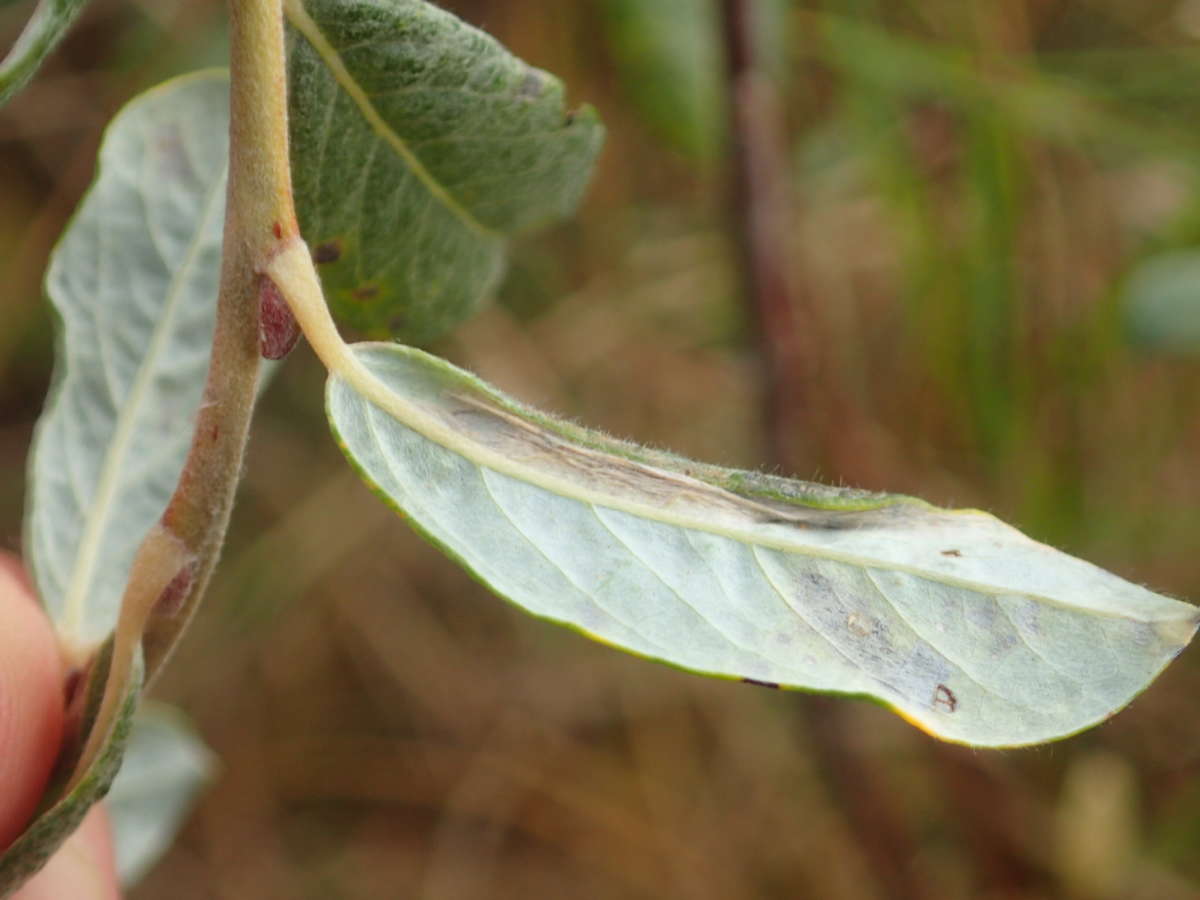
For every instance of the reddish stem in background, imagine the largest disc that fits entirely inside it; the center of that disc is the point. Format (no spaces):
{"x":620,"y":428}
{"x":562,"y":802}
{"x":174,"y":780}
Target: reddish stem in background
{"x":761,"y":212}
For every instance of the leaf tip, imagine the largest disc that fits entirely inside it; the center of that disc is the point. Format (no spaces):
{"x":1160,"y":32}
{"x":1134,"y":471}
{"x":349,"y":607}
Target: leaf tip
{"x":1179,"y":631}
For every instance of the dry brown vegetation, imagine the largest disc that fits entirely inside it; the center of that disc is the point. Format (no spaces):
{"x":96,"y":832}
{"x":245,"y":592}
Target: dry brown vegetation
{"x":965,"y":211}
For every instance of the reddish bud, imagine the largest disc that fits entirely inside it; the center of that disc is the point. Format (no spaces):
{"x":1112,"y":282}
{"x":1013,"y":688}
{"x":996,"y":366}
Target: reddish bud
{"x":278,"y":329}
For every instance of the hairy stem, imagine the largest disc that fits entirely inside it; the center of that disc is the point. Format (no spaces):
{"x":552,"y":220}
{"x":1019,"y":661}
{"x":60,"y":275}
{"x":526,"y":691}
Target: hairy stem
{"x":176,"y":558}
{"x":160,"y":559}
{"x":259,"y":215}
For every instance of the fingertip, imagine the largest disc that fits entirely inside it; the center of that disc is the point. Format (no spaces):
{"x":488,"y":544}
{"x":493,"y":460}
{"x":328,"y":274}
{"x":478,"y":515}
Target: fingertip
{"x":10,"y":567}
{"x":82,"y":869}
{"x":31,"y":703}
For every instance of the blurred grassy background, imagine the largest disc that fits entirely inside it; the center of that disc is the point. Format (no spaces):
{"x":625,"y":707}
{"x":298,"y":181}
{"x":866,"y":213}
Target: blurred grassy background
{"x":979,"y":191}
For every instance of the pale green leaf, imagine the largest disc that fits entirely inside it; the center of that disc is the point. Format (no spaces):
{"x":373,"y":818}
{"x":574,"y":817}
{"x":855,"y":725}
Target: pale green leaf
{"x":1162,"y":303}
{"x":46,"y":27}
{"x":960,"y":623}
{"x":134,"y":282}
{"x":418,"y":145}
{"x":166,"y":764}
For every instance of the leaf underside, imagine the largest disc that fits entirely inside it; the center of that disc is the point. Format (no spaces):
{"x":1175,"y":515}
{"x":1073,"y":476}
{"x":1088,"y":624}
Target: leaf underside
{"x":418,"y":145}
{"x":46,"y":27}
{"x":165,"y":765}
{"x":967,"y":628}
{"x":134,"y":284}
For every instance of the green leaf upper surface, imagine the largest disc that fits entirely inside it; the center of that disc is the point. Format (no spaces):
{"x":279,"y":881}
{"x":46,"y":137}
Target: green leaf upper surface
{"x":418,"y":144}
{"x":46,"y":27}
{"x":965,"y":626}
{"x":134,"y":282}
{"x":165,"y":765}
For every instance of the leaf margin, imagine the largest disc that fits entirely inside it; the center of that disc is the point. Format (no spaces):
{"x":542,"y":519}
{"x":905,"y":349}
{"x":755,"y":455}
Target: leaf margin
{"x":1181,"y":627}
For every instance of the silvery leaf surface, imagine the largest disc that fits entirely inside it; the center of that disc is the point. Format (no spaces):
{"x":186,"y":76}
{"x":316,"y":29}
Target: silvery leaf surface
{"x":165,"y":766}
{"x":960,"y":623}
{"x":419,"y":145}
{"x":134,"y":284}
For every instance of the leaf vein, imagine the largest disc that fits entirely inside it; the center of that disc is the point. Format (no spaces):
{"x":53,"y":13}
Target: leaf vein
{"x":595,"y":601}
{"x":678,"y":594}
{"x":305,"y":24}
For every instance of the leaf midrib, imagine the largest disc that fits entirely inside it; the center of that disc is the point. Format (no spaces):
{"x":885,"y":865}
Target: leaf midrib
{"x":371,"y":388}
{"x":307,"y":26}
{"x":86,"y":557}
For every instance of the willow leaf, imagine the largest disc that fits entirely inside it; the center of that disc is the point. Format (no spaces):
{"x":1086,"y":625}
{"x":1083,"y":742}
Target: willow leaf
{"x":134,"y":282}
{"x":47,"y":26}
{"x":165,"y":765}
{"x":959,"y":622}
{"x":407,"y":122}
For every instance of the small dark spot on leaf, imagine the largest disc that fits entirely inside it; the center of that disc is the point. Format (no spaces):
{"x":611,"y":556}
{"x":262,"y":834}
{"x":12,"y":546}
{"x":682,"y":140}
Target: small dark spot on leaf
{"x":330,"y":251}
{"x":214,"y":433}
{"x":944,"y":698}
{"x":531,"y":85}
{"x":366,"y":292}
{"x":278,"y":230}
{"x":397,"y":323}
{"x":766,"y":684}
{"x":951,"y":553}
